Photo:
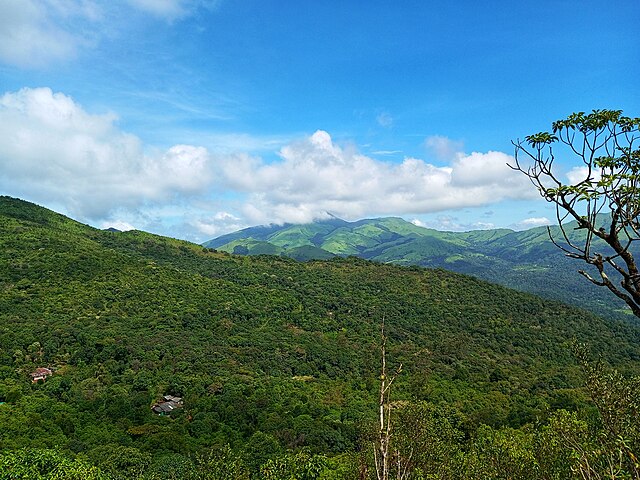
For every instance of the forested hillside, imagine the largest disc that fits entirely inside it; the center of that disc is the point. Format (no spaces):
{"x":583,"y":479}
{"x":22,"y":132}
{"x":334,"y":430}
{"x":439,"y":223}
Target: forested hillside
{"x":525,"y":260}
{"x":276,"y":362}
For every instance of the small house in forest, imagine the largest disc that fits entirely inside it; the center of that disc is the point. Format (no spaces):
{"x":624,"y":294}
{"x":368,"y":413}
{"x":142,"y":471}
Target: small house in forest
{"x":167,"y":405}
{"x":40,"y":373}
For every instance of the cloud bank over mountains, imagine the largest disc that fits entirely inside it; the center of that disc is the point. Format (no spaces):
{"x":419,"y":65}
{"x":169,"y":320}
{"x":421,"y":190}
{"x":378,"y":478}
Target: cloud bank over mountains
{"x":54,"y":151}
{"x":315,"y":176}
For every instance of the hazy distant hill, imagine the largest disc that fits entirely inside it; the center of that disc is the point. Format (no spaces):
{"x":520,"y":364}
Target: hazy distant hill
{"x":525,"y":260}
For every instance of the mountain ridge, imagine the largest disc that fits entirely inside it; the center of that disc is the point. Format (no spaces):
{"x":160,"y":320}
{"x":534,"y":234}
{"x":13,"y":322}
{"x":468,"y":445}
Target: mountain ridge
{"x":525,"y":260}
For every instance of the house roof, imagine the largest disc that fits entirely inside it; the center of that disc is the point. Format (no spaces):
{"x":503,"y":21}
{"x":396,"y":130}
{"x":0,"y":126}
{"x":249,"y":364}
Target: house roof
{"x":171,"y":398}
{"x":166,"y":407}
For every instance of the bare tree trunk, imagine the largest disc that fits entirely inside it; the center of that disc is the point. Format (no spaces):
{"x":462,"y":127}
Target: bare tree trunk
{"x":381,"y":452}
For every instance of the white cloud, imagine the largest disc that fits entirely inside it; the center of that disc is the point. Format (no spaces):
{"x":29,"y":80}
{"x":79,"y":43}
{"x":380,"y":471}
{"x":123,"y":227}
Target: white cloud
{"x":419,"y":223}
{"x":315,"y":176}
{"x":579,"y":174}
{"x":220,"y":223}
{"x":54,"y":152}
{"x":226,"y":216}
{"x":40,"y":33}
{"x":35,"y":33}
{"x":118,"y":225}
{"x":532,"y":222}
{"x":485,"y":169}
{"x":386,"y":152}
{"x":28,"y":38}
{"x":51,"y":149}
{"x":443,"y":148}
{"x":207,"y":228}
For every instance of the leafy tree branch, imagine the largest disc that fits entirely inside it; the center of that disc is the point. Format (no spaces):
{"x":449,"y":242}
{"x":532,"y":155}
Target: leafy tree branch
{"x":604,"y":202}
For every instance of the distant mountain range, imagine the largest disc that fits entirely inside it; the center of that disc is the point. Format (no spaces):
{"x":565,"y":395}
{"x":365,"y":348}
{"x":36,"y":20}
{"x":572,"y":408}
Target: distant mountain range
{"x":524,"y":260}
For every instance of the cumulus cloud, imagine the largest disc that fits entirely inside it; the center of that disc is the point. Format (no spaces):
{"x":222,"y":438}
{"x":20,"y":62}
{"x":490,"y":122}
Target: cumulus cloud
{"x":315,"y":176}
{"x":56,"y":153}
{"x":33,"y":32}
{"x":51,"y":149}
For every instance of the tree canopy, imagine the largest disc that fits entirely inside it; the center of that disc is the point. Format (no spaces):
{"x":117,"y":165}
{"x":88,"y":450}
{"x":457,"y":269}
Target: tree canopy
{"x":601,"y":196}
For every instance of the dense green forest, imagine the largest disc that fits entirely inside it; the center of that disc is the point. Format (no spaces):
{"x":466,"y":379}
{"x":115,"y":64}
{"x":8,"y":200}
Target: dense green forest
{"x":277,"y":363}
{"x":525,"y":260}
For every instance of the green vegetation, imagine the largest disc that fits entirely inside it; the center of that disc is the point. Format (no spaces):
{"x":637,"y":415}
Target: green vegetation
{"x":526,"y":261}
{"x":278,"y":363}
{"x":604,"y":203}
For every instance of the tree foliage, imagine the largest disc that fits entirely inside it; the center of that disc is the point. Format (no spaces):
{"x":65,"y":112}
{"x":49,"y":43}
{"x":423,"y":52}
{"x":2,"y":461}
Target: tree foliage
{"x":602,"y":198}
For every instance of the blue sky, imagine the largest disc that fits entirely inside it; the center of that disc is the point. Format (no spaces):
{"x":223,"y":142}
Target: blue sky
{"x":193,"y":118}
